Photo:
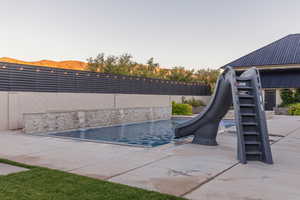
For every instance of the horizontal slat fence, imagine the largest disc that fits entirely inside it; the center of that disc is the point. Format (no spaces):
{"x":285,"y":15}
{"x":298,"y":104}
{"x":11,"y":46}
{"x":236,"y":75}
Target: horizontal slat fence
{"x":18,"y":77}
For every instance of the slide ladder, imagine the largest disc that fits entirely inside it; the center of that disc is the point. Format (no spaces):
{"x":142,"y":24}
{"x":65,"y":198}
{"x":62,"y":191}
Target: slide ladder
{"x":244,"y":93}
{"x":253,"y":141}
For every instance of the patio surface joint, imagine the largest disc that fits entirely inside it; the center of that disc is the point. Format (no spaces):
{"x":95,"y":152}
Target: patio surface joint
{"x":144,"y":165}
{"x":289,"y":133}
{"x":208,"y":180}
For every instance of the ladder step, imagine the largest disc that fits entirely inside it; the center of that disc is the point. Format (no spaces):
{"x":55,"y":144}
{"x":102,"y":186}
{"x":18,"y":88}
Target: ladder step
{"x":243,"y":79}
{"x":247,"y":105}
{"x":244,"y":88}
{"x":248,"y":114}
{"x":252,"y":142}
{"x":253,"y":153}
{"x":249,"y":123}
{"x":251,"y":133}
{"x":246,"y":96}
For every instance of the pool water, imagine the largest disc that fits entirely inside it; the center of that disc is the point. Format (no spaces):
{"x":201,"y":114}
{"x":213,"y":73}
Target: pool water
{"x":147,"y":134}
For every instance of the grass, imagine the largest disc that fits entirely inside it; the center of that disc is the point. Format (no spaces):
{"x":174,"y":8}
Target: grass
{"x":46,"y":184}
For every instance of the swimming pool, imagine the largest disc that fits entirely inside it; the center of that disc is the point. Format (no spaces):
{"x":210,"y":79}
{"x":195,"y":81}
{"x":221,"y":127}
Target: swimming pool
{"x":146,"y":134}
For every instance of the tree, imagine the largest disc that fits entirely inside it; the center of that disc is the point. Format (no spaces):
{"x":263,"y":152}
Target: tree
{"x":208,"y":76}
{"x":151,"y":64}
{"x":96,"y":64}
{"x":124,"y":64}
{"x":180,"y":74}
{"x":111,"y":65}
{"x":297,"y":95}
{"x":287,"y":97}
{"x":150,"y":69}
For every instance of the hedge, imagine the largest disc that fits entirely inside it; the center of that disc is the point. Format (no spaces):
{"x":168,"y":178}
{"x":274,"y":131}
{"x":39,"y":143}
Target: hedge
{"x":181,"y":109}
{"x":294,"y":109}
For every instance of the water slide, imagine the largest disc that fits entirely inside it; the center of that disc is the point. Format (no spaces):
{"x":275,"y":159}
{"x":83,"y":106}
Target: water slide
{"x":244,"y":93}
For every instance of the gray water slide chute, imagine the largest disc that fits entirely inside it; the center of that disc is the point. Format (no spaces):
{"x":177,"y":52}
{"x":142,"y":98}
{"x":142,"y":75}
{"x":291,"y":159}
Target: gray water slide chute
{"x":244,"y":93}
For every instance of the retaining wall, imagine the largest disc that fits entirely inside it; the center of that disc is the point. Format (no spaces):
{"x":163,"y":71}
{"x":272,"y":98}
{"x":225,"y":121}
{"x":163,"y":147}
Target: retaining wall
{"x":14,"y":105}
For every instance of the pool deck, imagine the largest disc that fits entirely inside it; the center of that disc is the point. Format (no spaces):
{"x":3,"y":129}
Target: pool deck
{"x":188,"y":170}
{"x":6,"y":169}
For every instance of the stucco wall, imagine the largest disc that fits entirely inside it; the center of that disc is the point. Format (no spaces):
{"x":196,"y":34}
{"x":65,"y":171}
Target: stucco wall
{"x":31,"y":102}
{"x":4,"y":110}
{"x":278,"y":98}
{"x":14,"y":104}
{"x":136,"y":100}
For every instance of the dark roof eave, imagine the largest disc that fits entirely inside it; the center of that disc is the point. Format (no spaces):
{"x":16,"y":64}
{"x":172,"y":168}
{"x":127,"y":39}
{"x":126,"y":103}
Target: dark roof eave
{"x":285,"y":51}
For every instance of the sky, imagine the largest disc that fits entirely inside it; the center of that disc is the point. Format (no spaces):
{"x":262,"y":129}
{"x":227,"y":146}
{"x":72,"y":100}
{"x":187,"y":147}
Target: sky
{"x":191,"y":33}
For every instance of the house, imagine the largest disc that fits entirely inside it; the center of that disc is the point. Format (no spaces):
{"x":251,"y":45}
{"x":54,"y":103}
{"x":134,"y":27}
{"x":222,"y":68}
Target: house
{"x":278,"y":64}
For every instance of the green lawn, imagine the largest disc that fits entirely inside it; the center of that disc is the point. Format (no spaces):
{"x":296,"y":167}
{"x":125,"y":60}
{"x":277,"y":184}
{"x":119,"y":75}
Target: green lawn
{"x":42,"y":183}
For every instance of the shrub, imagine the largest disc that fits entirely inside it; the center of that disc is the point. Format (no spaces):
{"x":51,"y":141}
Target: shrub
{"x":193,"y":102}
{"x":181,"y":109}
{"x":294,"y":109}
{"x":297,"y":95}
{"x":287,"y":97}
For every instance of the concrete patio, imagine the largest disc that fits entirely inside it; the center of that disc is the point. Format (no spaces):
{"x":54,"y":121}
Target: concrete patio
{"x":188,"y":170}
{"x":6,"y":169}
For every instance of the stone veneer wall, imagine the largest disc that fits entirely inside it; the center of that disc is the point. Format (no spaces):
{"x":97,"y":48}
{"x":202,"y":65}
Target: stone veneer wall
{"x":61,"y":121}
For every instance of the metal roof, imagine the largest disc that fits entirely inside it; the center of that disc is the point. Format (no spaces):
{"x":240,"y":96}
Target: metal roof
{"x":281,"y":52}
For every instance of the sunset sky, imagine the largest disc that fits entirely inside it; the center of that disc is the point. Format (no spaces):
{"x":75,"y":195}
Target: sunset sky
{"x":190,"y":33}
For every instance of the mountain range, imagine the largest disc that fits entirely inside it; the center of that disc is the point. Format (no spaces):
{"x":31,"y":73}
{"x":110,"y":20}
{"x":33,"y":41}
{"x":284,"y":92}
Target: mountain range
{"x":68,"y":64}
